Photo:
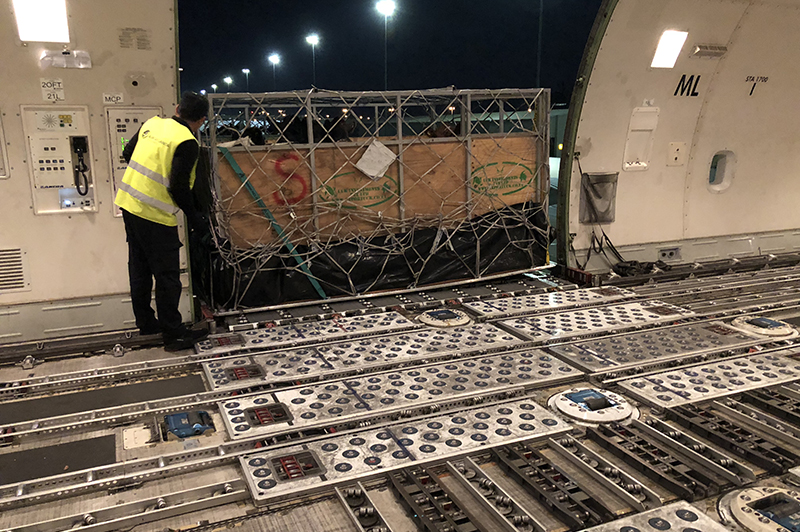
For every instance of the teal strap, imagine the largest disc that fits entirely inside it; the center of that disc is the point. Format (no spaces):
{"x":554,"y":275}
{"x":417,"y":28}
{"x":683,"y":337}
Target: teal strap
{"x":275,"y":225}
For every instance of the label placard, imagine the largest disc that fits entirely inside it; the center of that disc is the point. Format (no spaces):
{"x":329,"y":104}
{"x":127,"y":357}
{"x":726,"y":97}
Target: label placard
{"x":52,"y":89}
{"x":113,"y":98}
{"x":135,"y":38}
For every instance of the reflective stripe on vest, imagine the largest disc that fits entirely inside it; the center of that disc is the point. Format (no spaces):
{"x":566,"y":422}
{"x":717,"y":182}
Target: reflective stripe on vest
{"x":155,"y":176}
{"x":160,"y":205}
{"x":144,"y":188}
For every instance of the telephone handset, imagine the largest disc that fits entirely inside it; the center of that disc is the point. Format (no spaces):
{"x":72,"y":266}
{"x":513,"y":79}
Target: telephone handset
{"x":80,"y":148}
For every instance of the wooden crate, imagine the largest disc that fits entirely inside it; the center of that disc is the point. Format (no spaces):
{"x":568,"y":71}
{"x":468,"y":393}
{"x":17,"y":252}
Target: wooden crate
{"x":348,"y":203}
{"x":433,"y":181}
{"x":503,"y":173}
{"x":282,"y":181}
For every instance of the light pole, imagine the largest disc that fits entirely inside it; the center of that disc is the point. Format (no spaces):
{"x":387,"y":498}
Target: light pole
{"x":539,"y":46}
{"x":246,"y":72}
{"x":228,"y":80}
{"x":386,"y":8}
{"x":313,"y":40}
{"x":275,"y":59}
{"x":214,"y":86}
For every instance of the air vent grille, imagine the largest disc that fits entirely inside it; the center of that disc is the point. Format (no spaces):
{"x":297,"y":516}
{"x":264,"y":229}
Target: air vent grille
{"x":709,"y":50}
{"x":12,"y":270}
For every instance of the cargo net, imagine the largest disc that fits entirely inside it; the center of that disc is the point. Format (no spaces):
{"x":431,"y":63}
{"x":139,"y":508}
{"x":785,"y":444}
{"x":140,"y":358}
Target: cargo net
{"x":320,"y":194}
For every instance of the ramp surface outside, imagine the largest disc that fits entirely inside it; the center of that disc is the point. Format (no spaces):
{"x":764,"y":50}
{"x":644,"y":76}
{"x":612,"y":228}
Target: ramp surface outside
{"x":72,"y":403}
{"x":57,"y":459}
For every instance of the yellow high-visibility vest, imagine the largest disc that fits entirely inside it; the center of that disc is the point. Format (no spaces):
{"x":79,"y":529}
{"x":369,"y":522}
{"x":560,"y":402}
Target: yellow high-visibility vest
{"x":143,"y":191}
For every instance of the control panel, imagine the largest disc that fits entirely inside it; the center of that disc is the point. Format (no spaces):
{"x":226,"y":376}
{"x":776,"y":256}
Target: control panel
{"x":123,"y":123}
{"x":59,"y":158}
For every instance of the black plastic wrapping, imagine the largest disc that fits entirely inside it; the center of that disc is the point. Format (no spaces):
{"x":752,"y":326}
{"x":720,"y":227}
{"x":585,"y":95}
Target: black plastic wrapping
{"x":515,"y":238}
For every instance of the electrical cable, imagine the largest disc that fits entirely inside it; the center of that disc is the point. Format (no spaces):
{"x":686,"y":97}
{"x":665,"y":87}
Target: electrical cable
{"x":80,"y":175}
{"x":599,"y":245}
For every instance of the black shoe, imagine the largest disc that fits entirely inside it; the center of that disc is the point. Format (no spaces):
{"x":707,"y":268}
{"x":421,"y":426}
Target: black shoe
{"x":185,"y":340}
{"x":149,"y":332}
{"x":179,"y":344}
{"x":199,"y":334}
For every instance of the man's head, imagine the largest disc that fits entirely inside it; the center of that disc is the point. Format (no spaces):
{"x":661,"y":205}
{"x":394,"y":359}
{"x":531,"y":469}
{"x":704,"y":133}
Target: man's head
{"x":193,"y":108}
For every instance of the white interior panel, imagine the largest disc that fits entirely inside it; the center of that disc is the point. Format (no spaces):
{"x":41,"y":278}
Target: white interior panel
{"x":705,"y":107}
{"x":80,"y":254}
{"x":761,"y":128}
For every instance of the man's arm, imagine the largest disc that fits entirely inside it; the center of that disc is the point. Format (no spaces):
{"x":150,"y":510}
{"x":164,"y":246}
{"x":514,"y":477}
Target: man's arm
{"x":127,"y":152}
{"x":182,"y":163}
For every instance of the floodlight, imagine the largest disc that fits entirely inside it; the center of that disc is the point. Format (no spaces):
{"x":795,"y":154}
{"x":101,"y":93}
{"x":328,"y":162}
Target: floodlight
{"x":42,"y":20}
{"x":386,"y":7}
{"x":669,"y":47}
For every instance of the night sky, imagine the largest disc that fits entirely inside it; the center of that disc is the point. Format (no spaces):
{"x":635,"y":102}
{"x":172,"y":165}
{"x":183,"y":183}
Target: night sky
{"x":471,"y":44}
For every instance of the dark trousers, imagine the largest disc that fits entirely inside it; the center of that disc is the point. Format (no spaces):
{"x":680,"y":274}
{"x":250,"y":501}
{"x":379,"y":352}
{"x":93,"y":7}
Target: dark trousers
{"x":153,"y":252}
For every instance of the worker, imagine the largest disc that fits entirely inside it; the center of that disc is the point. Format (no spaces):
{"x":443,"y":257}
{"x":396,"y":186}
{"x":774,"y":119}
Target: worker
{"x":162,"y":160}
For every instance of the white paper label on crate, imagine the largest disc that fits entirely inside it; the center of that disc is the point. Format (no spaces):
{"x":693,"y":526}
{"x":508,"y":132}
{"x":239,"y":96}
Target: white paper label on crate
{"x":52,"y":89}
{"x":376,"y":160}
{"x":113,"y":98}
